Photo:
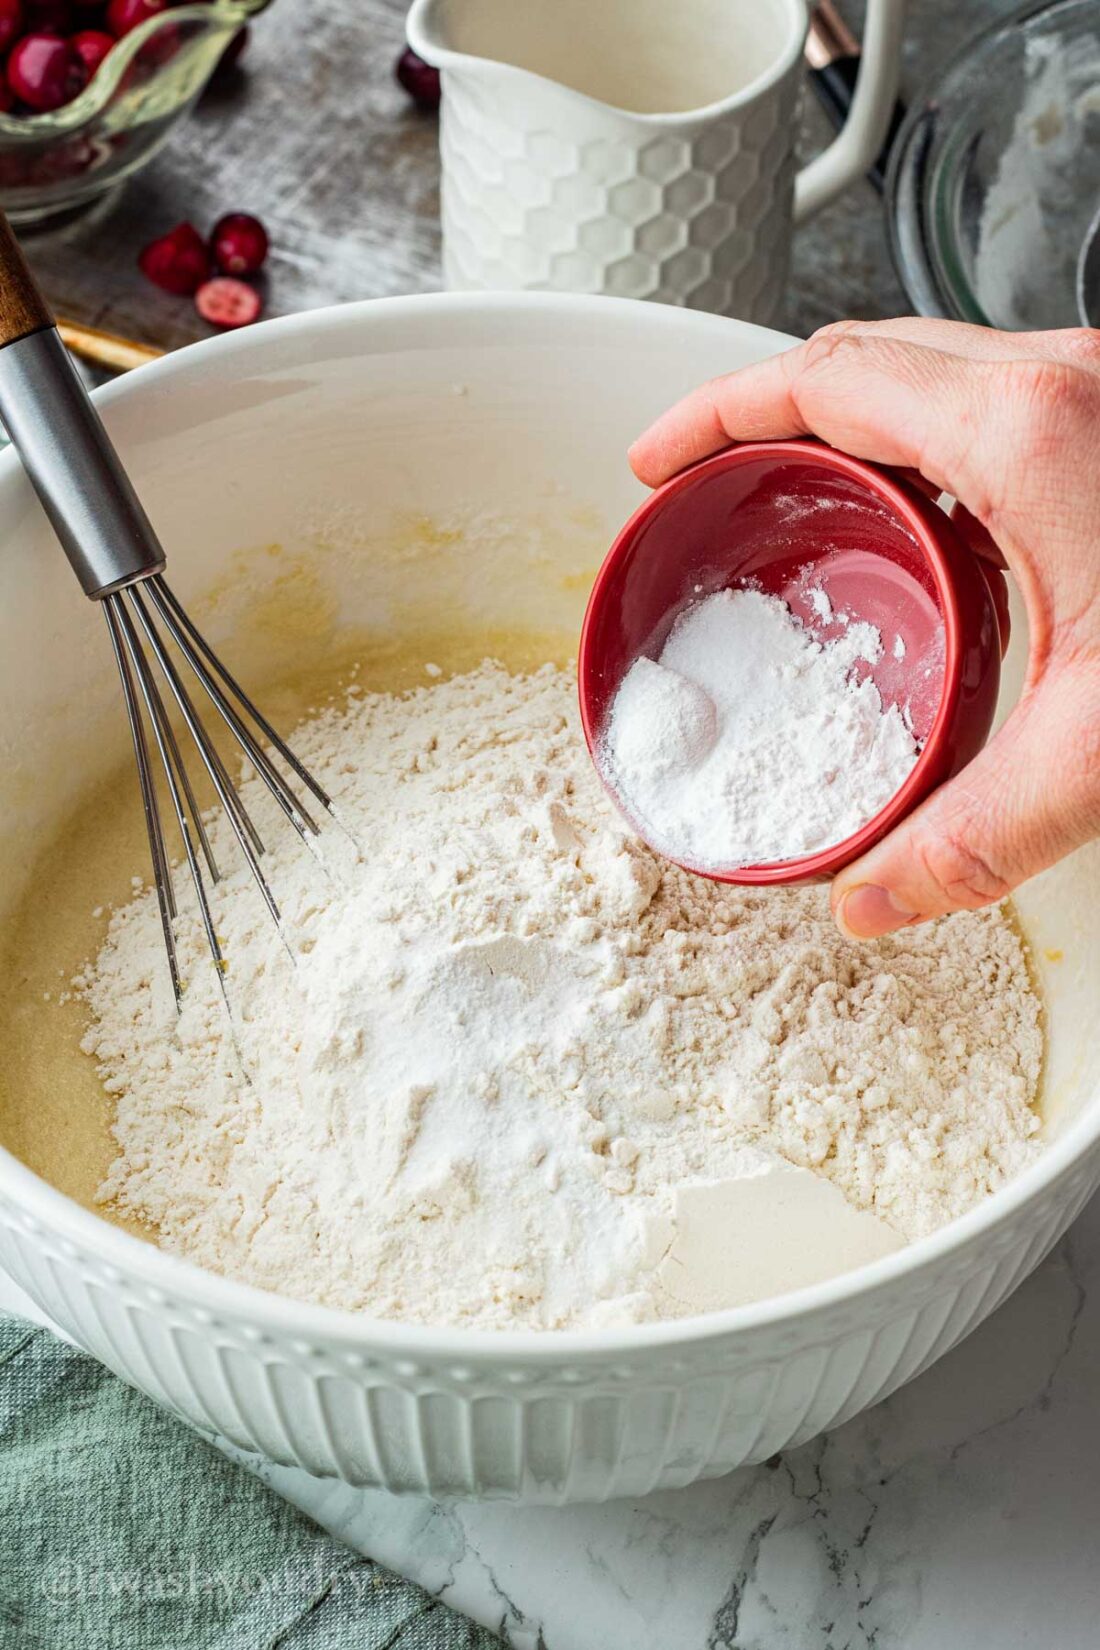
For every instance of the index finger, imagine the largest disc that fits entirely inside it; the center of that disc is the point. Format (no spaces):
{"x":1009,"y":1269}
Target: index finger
{"x":760,"y":402}
{"x":875,"y":396}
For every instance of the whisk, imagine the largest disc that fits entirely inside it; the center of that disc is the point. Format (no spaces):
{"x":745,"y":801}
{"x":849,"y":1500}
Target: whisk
{"x":119,"y":562}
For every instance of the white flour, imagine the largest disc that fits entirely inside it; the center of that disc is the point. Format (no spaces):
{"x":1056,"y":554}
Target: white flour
{"x":524,"y":1072}
{"x":749,"y":742}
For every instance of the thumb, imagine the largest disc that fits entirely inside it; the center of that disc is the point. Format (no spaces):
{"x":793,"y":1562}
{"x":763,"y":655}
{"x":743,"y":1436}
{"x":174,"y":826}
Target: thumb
{"x":1030,"y":797}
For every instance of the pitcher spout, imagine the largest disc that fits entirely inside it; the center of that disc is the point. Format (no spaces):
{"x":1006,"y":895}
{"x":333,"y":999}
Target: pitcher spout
{"x":470,"y":39}
{"x":430,"y":32}
{"x":642,"y":60}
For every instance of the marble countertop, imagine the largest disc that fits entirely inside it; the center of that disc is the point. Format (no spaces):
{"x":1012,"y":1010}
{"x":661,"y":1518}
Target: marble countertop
{"x":962,"y":1514}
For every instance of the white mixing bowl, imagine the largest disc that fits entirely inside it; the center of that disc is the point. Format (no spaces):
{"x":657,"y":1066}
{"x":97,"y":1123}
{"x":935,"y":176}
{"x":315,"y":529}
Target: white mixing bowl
{"x":336,"y":434}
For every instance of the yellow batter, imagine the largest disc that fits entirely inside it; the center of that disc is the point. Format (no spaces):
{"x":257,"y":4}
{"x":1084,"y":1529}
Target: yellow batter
{"x":54,"y":1114}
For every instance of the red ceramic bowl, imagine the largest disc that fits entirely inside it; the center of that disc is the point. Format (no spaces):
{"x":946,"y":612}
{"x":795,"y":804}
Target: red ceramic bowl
{"x":782,"y":515}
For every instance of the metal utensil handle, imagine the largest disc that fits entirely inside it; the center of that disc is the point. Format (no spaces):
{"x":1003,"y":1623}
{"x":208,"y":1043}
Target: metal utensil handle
{"x":59,"y":435}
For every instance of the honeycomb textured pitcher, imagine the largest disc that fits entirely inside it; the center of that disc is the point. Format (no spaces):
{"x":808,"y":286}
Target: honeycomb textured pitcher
{"x":635,"y":147}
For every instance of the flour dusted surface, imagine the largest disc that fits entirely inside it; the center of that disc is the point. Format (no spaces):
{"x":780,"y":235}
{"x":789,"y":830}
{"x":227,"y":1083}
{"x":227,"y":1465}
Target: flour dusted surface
{"x":517,"y":1049}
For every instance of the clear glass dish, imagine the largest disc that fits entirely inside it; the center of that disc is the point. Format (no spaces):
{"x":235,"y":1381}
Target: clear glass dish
{"x":995,"y":175}
{"x":50,"y":163}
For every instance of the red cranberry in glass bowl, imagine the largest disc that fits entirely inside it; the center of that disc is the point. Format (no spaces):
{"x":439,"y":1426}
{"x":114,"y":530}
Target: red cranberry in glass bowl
{"x":91,"y":46}
{"x":11,"y":22}
{"x":44,"y":72}
{"x":124,"y":15}
{"x":163,"y":52}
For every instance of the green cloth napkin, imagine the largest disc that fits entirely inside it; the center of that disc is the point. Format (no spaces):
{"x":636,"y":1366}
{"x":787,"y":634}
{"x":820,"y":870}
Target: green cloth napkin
{"x":120,"y":1529}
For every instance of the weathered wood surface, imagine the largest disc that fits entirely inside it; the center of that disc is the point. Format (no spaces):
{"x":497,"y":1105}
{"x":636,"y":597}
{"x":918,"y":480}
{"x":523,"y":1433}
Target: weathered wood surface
{"x":315,"y":137}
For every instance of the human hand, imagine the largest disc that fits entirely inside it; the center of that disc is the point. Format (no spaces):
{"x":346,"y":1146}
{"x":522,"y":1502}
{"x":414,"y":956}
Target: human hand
{"x":1009,"y":423}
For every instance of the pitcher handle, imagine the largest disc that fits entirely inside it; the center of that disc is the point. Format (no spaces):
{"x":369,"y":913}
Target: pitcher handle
{"x":854,"y":150}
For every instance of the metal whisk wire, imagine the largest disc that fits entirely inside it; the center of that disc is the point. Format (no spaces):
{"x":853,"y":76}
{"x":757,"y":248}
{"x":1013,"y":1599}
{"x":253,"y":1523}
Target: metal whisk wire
{"x":119,"y":562}
{"x":130,"y":621}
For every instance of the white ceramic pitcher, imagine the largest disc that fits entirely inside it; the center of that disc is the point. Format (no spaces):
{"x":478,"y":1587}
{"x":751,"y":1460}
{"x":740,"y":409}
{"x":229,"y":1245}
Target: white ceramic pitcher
{"x":637,"y":147}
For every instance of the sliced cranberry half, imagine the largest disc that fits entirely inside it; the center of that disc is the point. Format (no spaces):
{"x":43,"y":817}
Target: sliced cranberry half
{"x":226,"y":302}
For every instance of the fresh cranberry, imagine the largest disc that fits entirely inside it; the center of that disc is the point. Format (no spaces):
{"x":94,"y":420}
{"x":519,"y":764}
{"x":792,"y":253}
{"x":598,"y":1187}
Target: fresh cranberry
{"x":418,"y":78}
{"x":178,"y":261}
{"x":11,"y":22}
{"x":44,"y":72}
{"x":225,"y":302}
{"x":239,"y":244}
{"x":7,"y":104}
{"x":48,"y":16}
{"x":124,"y":15}
{"x":91,"y":46}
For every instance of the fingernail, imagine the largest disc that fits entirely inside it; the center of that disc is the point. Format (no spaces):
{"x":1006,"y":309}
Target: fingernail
{"x":867,"y":912}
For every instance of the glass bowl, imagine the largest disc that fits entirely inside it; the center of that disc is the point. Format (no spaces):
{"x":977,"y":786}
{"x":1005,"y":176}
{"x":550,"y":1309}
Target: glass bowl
{"x":995,"y":175}
{"x":52,"y":162}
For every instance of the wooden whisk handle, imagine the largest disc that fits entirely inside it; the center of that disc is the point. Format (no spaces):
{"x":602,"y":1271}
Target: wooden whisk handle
{"x":22,"y":307}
